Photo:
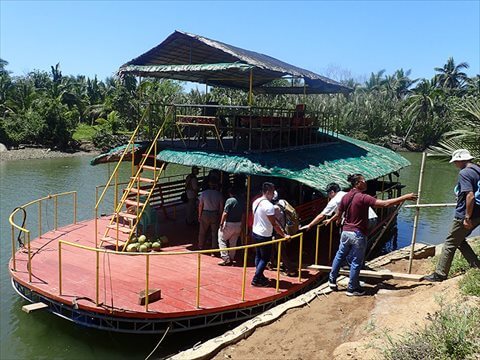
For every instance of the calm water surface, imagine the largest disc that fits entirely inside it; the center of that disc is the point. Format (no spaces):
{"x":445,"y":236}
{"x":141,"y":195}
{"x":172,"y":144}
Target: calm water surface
{"x":40,"y":335}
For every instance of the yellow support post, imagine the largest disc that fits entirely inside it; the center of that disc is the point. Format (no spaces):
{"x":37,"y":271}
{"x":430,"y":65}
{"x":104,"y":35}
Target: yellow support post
{"x":279,"y":256}
{"x":316,"y":244}
{"x":40,"y":219}
{"x":198,"y":280}
{"x":300,"y":258}
{"x":60,"y":268}
{"x":29,"y":259}
{"x":75,"y":207}
{"x":13,"y":248}
{"x":97,"y":279}
{"x":96,"y":228}
{"x":247,"y":209}
{"x":146,"y":285}
{"x":244,"y":275}
{"x":55,"y":220}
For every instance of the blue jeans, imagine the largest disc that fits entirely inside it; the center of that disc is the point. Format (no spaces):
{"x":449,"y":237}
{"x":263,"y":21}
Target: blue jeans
{"x":262,"y":255}
{"x":353,"y":245}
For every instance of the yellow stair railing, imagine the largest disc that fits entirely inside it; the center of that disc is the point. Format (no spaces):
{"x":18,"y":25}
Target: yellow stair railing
{"x":134,"y":187}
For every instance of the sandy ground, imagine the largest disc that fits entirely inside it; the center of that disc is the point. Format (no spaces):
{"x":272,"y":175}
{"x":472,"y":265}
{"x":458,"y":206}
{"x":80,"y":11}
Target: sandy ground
{"x":336,"y":326}
{"x":39,"y":153}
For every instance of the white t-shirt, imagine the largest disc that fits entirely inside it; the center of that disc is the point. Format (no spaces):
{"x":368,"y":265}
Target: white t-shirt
{"x":333,"y":204}
{"x":261,"y":209}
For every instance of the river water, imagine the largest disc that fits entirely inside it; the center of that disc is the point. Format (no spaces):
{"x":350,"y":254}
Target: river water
{"x":40,"y":335}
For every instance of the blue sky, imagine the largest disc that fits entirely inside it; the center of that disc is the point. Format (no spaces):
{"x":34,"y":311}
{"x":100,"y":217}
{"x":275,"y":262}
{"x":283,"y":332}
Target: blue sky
{"x":333,"y":38}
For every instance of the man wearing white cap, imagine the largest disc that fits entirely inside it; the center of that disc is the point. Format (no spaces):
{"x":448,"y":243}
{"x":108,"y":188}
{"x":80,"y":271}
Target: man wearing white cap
{"x":467,"y":216}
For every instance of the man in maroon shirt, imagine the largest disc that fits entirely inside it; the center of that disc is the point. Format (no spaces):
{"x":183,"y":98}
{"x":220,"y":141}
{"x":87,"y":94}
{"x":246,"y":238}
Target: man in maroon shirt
{"x":353,"y":241}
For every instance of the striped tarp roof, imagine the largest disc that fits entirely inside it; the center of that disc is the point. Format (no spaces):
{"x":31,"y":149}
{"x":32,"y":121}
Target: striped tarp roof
{"x":181,"y":48}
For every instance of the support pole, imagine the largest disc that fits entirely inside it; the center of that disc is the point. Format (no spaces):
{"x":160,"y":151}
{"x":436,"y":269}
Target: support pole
{"x":245,"y":242}
{"x":417,"y":213}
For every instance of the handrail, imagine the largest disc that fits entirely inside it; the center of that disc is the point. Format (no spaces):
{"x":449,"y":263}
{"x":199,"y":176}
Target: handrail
{"x":171,"y":253}
{"x":27,"y":232}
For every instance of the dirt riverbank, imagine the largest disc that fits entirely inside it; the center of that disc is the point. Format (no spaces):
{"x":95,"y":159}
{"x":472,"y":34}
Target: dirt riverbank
{"x":40,"y":153}
{"x":335,"y":326}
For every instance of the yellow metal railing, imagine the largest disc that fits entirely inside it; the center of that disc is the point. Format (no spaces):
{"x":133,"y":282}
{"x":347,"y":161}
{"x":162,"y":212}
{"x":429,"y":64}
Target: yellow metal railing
{"x":172,"y":253}
{"x":131,"y":184}
{"x":26,"y":232}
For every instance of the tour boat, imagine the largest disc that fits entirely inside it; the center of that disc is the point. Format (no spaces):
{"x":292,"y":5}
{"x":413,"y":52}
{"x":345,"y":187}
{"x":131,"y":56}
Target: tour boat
{"x":82,"y":272}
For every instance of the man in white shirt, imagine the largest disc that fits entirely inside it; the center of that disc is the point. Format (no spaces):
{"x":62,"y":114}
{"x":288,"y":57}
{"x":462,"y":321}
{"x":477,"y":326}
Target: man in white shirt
{"x":262,"y":231}
{"x":335,"y":194}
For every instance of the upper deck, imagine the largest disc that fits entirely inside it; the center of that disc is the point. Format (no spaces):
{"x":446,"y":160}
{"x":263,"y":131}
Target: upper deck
{"x":247,"y":129}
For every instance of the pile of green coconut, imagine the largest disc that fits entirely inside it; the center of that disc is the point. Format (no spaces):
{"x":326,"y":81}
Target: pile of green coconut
{"x":142,"y":244}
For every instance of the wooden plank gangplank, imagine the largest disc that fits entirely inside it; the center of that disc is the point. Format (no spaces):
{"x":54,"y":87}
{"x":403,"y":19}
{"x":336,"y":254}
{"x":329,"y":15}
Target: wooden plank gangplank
{"x":374,"y":274}
{"x":35,"y":306}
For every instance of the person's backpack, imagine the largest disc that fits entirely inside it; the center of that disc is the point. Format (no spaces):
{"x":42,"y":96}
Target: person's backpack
{"x":292,"y":221}
{"x":477,"y":193}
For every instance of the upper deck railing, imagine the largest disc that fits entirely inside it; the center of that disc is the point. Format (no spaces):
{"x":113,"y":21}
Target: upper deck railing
{"x":246,"y":128}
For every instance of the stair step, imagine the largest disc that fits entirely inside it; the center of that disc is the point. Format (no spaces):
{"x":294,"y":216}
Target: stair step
{"x":143,"y":179}
{"x":148,"y":167}
{"x":126,"y":215}
{"x":122,"y":229}
{"x":136,"y":191}
{"x":133,"y":203}
{"x":149,"y":156}
{"x":113,"y":241}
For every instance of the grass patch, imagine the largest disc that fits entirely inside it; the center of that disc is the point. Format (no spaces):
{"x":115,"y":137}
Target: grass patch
{"x":470,"y":284}
{"x":84,"y":132}
{"x":453,"y":333}
{"x":459,"y":264}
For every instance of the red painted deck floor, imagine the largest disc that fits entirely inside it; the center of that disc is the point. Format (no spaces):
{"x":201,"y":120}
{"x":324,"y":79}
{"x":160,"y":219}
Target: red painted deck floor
{"x":122,"y":277}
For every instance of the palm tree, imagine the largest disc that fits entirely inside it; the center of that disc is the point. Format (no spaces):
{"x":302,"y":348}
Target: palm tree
{"x":450,"y":75}
{"x":420,"y":105}
{"x":467,"y":136}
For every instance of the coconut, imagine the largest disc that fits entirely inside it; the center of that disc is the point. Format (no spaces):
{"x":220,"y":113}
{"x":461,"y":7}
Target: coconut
{"x":142,"y":239}
{"x":156,"y":246}
{"x":132,"y":248}
{"x":148,"y":244}
{"x":143,"y":248}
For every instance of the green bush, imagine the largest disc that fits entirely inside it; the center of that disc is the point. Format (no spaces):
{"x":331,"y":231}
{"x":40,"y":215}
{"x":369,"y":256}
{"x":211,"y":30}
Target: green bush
{"x":470,"y":284}
{"x":453,"y":333}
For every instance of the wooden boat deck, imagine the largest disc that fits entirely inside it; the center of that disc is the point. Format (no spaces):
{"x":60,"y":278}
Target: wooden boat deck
{"x":122,"y":277}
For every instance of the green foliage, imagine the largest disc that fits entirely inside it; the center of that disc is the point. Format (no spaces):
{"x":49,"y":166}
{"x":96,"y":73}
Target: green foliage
{"x":470,"y":284}
{"x":453,"y":333}
{"x":420,"y":111}
{"x":84,"y":132}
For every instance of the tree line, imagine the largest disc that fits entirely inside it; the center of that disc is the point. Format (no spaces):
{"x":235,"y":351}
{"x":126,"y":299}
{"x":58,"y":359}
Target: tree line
{"x":46,"y":108}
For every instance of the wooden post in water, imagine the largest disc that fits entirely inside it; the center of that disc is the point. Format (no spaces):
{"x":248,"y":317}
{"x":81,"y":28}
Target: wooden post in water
{"x":417,"y":213}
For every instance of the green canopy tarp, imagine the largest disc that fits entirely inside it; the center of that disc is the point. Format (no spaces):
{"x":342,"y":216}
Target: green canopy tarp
{"x":313,"y":166}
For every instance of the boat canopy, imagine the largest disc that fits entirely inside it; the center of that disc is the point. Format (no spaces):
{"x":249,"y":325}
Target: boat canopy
{"x":189,"y":57}
{"x":313,"y":166}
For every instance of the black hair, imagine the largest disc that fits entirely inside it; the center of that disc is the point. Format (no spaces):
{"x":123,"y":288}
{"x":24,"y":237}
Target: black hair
{"x":267,"y":186}
{"x":354,"y":178}
{"x":332,"y":187}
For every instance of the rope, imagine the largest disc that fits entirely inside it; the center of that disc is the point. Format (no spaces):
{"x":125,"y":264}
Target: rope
{"x":156,"y":347}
